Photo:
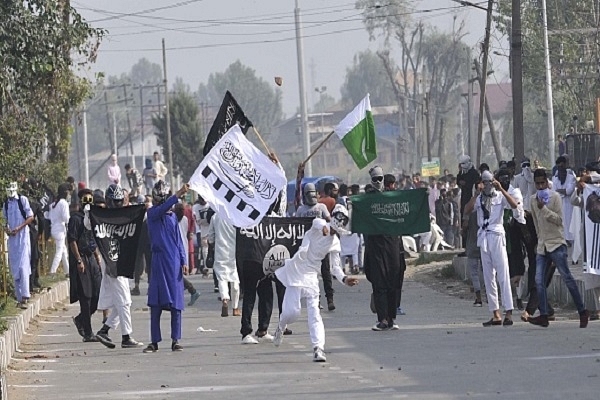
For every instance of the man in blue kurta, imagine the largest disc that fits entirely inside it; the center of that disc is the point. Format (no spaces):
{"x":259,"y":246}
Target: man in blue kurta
{"x":169,"y":264}
{"x":18,"y":215}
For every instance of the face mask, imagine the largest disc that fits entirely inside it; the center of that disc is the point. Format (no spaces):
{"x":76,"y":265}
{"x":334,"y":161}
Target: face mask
{"x":377,"y":182}
{"x":465,"y":167}
{"x":310,"y":198}
{"x":504,"y":182}
{"x":11,"y":190}
{"x":488,"y":188}
{"x":544,"y":195}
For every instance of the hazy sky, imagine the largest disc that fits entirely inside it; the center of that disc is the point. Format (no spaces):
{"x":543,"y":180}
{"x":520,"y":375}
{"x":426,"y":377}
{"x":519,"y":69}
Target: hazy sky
{"x":205,"y":36}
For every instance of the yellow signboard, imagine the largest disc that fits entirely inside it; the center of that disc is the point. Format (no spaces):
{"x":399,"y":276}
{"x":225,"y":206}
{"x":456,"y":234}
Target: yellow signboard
{"x":430,"y":168}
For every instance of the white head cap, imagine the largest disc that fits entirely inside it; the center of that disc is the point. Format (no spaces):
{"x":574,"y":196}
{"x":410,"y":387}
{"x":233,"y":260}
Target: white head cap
{"x":487,"y":176}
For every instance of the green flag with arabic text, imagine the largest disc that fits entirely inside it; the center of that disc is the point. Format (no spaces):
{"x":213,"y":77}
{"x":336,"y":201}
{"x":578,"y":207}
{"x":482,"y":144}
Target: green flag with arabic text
{"x":400,"y":212}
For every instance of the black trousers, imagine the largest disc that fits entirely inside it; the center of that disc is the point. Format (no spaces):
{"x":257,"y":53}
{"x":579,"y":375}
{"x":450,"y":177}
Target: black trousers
{"x":326,"y":275}
{"x":256,"y":283}
{"x":34,"y":277}
{"x":187,"y":285}
{"x":386,"y":301}
{"x":87,"y":308}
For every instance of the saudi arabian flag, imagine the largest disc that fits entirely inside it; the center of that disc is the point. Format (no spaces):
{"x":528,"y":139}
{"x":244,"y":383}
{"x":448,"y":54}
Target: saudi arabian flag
{"x":357,"y":132}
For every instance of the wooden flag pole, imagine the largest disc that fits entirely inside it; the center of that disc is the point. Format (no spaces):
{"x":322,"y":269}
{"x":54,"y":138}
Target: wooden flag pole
{"x":318,"y":147}
{"x":261,"y":140}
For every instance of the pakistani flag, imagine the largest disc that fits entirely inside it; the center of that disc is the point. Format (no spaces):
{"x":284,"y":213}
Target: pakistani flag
{"x":357,"y":132}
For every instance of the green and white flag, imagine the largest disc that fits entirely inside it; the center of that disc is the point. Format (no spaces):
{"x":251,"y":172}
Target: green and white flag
{"x":357,"y":132}
{"x":397,"y":212}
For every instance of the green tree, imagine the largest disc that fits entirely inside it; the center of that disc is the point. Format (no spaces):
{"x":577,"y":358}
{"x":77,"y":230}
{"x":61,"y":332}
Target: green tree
{"x":145,"y":72}
{"x":261,"y":104}
{"x":367,"y":75}
{"x":574,"y":53}
{"x":39,"y":90}
{"x":186,"y":134}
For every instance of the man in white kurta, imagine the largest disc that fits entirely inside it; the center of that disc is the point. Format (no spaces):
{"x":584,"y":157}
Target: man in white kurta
{"x":300,"y":277}
{"x":564,"y":183}
{"x":491,"y":239}
{"x":115,"y":295}
{"x":18,"y":215}
{"x":222,"y":234}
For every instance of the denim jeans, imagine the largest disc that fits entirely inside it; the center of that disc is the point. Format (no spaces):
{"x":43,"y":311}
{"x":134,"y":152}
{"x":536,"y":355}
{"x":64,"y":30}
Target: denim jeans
{"x":559,"y":257}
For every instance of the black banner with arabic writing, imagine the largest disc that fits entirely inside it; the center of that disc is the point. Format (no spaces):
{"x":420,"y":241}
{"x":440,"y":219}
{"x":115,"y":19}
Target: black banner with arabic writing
{"x":117,"y":233}
{"x":272,"y":241}
{"x":229,"y":114}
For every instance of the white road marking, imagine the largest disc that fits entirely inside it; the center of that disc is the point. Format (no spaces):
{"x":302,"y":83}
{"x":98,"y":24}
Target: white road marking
{"x":30,"y":386}
{"x":166,"y":391}
{"x":563,"y":357}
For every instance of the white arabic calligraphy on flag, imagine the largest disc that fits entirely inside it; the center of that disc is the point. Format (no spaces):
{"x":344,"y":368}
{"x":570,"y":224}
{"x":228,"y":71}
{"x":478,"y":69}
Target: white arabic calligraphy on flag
{"x":238,"y":180}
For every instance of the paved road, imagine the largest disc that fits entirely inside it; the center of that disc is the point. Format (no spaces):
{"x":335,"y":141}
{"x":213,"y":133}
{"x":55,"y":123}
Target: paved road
{"x":440,"y":352}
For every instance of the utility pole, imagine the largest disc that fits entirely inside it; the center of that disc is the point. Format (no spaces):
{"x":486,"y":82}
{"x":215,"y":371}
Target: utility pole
{"x":129,"y":135}
{"x":168,"y":116}
{"x":110,"y":140}
{"x":142,"y":121}
{"x":490,"y":120}
{"x":516,"y":63}
{"x":86,"y":161}
{"x":428,"y":134}
{"x":486,"y":49}
{"x":302,"y":89}
{"x":549,"y":105}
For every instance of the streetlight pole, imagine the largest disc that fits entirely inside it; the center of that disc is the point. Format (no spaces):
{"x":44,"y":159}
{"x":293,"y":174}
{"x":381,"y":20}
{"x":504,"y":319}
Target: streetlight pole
{"x":321,"y":90}
{"x":548,"y":85}
{"x":168,"y":116}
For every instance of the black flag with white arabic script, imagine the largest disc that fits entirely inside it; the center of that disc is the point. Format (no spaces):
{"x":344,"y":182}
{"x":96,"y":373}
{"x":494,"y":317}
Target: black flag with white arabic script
{"x":117,"y":233}
{"x":272,"y":241}
{"x":229,"y":114}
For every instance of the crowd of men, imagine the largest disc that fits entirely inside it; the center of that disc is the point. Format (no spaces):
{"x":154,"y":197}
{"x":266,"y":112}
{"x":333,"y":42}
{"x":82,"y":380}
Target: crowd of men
{"x":510,"y":225}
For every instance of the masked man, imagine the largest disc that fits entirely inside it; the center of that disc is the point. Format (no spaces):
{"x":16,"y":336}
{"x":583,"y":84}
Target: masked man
{"x":564,"y":183}
{"x":491,"y":239}
{"x":300,"y":277}
{"x":312,"y":208}
{"x":115,"y":295}
{"x":169,"y":264}
{"x":18,"y":215}
{"x":84,"y":267}
{"x":384,"y":264}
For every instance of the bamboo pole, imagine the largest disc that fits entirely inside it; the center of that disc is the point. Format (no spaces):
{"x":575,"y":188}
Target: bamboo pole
{"x":318,"y":147}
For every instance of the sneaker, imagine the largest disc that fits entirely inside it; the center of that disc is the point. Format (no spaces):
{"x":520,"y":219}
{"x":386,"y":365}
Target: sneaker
{"x":400,"y":311}
{"x":380,"y":326}
{"x":249,"y":339}
{"x":175,"y":346}
{"x":594,"y":317}
{"x":152,"y":348}
{"x":287,"y":331}
{"x":278,"y":338}
{"x":105,"y":340}
{"x":195,"y":296}
{"x":78,"y":326}
{"x":584,"y":317}
{"x":90,"y":338}
{"x":394,"y":327}
{"x":478,"y":303}
{"x":216,"y":289}
{"x":319,"y":355}
{"x":265,"y":336}
{"x":131,"y":343}
{"x":135,"y":291}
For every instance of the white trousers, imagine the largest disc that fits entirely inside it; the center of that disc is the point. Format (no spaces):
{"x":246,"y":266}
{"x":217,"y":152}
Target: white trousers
{"x":61,"y":252}
{"x":235,"y":292}
{"x":495,"y":265}
{"x":120,"y":316}
{"x":291,"y":312}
